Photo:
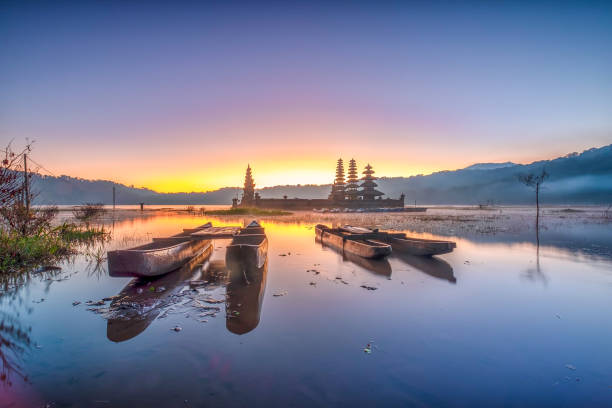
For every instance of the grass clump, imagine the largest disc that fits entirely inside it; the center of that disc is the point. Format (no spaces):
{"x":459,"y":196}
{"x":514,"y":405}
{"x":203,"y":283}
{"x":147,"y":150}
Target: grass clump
{"x":20,"y":252}
{"x":247,"y":211}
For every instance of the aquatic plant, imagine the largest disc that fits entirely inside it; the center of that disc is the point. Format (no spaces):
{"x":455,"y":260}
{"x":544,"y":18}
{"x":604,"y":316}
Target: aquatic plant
{"x":20,"y":252}
{"x":88,"y":211}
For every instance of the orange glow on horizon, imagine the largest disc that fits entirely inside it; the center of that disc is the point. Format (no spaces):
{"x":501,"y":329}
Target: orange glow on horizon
{"x":267,"y":174}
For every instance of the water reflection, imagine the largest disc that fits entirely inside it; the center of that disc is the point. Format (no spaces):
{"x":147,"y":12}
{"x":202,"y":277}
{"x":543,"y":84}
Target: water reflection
{"x":14,"y":341}
{"x":376,"y":266}
{"x":244,"y":294}
{"x":431,"y":266}
{"x":142,"y":300}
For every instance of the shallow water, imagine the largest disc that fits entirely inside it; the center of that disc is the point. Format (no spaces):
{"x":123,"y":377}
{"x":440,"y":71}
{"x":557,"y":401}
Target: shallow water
{"x":495,"y":322}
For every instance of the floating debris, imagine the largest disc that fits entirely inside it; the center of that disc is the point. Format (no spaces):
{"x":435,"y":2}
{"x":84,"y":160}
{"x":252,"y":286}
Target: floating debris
{"x":313,"y":283}
{"x":38,"y":301}
{"x":369,"y":287}
{"x":75,"y":303}
{"x":96,"y":303}
{"x":213,"y":301}
{"x":98,"y":310}
{"x":110,"y":298}
{"x":280,"y":293}
{"x":570,"y":367}
{"x":177,"y":328}
{"x":368,"y":349}
{"x":198,"y":283}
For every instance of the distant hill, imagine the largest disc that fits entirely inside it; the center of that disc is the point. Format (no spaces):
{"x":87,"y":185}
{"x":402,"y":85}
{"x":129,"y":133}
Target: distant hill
{"x":578,"y":178}
{"x":489,"y":166}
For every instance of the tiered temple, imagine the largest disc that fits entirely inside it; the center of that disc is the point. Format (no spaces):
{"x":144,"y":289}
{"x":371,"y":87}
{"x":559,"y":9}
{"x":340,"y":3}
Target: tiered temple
{"x":368,"y":186}
{"x":248,"y":194}
{"x":338,"y":188}
{"x":352,"y":182}
{"x":345,"y":193}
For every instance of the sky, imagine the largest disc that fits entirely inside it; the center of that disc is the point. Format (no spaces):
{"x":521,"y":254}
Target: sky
{"x":180,"y":96}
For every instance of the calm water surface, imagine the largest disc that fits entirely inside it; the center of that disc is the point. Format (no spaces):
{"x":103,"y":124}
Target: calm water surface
{"x":491,"y":323}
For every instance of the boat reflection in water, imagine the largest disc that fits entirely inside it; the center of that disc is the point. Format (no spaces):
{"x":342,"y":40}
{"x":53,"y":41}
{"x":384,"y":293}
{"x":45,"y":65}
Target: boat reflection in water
{"x":142,"y":300}
{"x":244,"y":293}
{"x":377,"y":266}
{"x":431,"y":266}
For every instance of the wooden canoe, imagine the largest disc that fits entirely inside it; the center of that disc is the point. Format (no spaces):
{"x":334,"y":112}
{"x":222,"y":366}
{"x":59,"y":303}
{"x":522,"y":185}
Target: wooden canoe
{"x":154,"y":259}
{"x":362,"y":245}
{"x":137,"y":305}
{"x":401,"y":243}
{"x":253,"y":228}
{"x":251,"y":248}
{"x":376,"y":266}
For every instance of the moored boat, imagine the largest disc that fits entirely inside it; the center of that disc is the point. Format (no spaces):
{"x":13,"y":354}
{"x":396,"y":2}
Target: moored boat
{"x":136,"y":306}
{"x":402,"y":243}
{"x":363,"y":245}
{"x":252,"y":228}
{"x":156,"y":258}
{"x":250,"y":244}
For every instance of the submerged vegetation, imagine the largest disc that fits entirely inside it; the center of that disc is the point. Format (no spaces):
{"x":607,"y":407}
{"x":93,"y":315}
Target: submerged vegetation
{"x":247,"y":211}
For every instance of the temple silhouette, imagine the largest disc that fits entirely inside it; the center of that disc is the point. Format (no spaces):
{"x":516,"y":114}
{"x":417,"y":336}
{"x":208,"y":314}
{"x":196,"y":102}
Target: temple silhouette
{"x":346,"y":192}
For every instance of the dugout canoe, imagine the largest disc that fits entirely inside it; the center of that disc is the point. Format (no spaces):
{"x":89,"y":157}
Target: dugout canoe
{"x":159,"y":257}
{"x":404,"y":244}
{"x":249,"y":244}
{"x":363,"y":245}
{"x":137,"y":306}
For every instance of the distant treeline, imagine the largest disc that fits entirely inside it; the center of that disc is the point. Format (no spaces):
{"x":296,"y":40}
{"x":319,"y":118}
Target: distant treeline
{"x":584,"y":178}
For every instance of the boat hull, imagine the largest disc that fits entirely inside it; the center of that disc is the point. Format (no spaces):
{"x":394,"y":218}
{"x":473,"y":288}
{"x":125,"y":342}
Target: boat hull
{"x":421,"y":247}
{"x":162,"y":257}
{"x":364,"y":248}
{"x":250,"y":248}
{"x":403,"y":244}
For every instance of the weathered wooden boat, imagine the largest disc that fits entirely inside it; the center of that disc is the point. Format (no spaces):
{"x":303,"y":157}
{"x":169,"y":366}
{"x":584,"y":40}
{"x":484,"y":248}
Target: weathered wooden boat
{"x":252,"y":228}
{"x":136,"y":306}
{"x":379,"y":266}
{"x":402,"y":243}
{"x":362,"y":245}
{"x":250,"y":247}
{"x":156,"y":258}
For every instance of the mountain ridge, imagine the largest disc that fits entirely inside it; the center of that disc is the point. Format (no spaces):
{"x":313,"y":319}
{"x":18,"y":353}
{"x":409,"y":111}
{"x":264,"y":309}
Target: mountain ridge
{"x":584,"y":178}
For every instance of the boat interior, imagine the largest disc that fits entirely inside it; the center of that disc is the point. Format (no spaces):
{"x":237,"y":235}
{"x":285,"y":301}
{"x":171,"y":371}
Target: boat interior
{"x":248,"y":239}
{"x":159,"y":243}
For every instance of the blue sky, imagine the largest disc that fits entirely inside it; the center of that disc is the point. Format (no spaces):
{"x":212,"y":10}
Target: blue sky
{"x":110,"y":89}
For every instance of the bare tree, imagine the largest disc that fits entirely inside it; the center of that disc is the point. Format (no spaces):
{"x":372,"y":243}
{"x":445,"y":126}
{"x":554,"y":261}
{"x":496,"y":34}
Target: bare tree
{"x":11,"y":183}
{"x":16,"y":195}
{"x":535,"y":181}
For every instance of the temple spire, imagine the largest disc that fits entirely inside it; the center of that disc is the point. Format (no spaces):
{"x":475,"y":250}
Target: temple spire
{"x":368,"y":187}
{"x":338,"y":193}
{"x":248,"y":194}
{"x":352,"y":185}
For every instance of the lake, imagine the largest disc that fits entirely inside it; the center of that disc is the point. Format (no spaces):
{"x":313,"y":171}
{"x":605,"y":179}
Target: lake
{"x":496,"y":322}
